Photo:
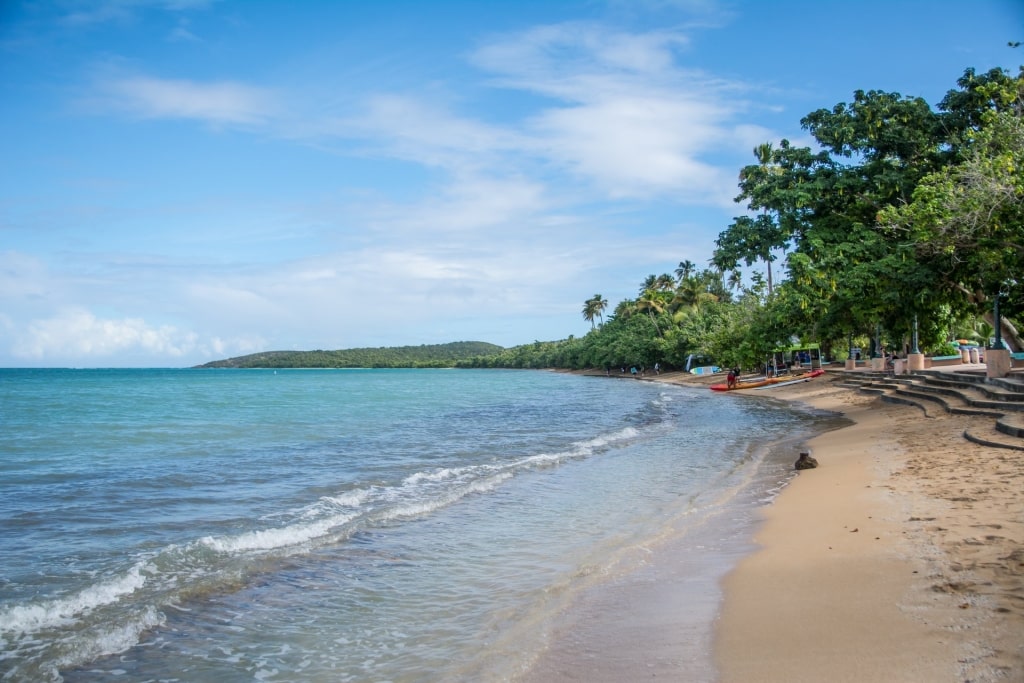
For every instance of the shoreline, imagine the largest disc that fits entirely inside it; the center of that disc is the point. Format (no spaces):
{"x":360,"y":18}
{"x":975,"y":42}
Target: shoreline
{"x":900,"y":558}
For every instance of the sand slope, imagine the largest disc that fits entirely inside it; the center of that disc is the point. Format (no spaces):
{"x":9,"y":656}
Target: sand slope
{"x":901,"y":558}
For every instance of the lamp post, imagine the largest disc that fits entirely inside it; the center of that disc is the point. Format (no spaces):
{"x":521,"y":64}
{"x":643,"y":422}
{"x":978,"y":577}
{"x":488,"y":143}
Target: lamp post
{"x":997,"y":319}
{"x":913,"y":338}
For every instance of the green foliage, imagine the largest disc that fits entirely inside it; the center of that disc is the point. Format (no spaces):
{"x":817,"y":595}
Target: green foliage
{"x":425,"y":356}
{"x":967,"y":219}
{"x":672,"y":318}
{"x":908,"y":212}
{"x":945,"y":349}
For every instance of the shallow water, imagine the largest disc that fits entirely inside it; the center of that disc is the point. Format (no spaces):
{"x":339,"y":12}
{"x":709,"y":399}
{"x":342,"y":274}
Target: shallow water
{"x":351,"y":525}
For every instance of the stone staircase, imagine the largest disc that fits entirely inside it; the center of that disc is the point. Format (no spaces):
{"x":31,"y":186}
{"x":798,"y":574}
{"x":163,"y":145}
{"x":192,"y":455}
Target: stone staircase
{"x":998,"y":403}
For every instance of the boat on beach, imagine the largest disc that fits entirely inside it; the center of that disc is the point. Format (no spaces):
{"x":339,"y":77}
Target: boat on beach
{"x":767,"y":381}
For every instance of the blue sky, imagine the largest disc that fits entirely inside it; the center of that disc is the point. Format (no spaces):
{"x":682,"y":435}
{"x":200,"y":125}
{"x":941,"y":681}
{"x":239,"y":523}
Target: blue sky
{"x":188,"y":180}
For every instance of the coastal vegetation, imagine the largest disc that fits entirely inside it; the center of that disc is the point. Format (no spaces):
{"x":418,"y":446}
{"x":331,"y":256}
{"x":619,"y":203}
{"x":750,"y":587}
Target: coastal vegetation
{"x":424,"y":356}
{"x":903,"y":216}
{"x":903,"y":219}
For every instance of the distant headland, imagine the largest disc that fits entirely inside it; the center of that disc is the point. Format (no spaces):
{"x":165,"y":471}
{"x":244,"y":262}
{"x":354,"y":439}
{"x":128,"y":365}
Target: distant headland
{"x":423,"y":356}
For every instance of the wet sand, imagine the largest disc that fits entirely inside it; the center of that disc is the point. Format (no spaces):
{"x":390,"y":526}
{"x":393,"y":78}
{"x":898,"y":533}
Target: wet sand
{"x":900,"y":558}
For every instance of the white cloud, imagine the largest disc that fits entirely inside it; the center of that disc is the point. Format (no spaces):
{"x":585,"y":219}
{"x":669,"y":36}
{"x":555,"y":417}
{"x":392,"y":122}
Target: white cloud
{"x":638,"y":148}
{"x":76,"y":335}
{"x":626,"y":115}
{"x":625,"y":118}
{"x":76,"y":332}
{"x":222,"y":102}
{"x":468,"y":204}
{"x":427,"y":132}
{"x":565,"y":61}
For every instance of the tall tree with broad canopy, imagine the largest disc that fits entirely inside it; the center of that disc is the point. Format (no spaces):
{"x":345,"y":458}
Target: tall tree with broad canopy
{"x":967,"y":219}
{"x":846,"y":270}
{"x":751,"y":239}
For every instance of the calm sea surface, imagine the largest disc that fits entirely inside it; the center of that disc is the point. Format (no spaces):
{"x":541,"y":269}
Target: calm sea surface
{"x":348,"y":525}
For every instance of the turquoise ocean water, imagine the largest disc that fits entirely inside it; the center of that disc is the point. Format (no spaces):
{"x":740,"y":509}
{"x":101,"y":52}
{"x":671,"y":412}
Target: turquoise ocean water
{"x":350,"y":525}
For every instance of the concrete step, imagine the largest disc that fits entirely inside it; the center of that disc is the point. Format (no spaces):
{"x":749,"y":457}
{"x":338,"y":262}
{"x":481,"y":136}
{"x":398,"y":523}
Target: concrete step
{"x":907,"y":401}
{"x":970,"y":395}
{"x":1011,"y":425}
{"x":1014,"y":382}
{"x":988,"y":436}
{"x":999,"y":411}
{"x":988,"y":390}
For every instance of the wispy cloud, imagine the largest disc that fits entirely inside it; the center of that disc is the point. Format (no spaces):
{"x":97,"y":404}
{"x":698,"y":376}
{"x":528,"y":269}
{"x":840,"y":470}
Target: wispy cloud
{"x":621,"y":115}
{"x":91,"y":12}
{"x":562,"y":60}
{"x":424,"y":131}
{"x":223,"y":102}
{"x":182,"y":33}
{"x":624,"y":112}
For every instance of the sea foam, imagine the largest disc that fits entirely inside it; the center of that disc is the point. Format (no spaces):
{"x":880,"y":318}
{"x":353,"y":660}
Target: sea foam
{"x":34,"y":617}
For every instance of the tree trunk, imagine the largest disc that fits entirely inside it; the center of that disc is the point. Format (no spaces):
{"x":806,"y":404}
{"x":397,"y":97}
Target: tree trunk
{"x":1011,"y":337}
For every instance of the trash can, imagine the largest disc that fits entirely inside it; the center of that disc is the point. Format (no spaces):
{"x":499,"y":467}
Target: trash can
{"x":974,"y":354}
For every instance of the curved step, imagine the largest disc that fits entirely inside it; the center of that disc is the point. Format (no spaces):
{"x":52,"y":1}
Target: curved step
{"x":1006,"y":430}
{"x":1011,"y":425}
{"x":993,"y":440}
{"x":893,"y":398}
{"x":924,"y":396}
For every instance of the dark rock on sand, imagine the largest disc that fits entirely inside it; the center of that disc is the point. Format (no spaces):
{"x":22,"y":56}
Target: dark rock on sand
{"x":805,"y":461}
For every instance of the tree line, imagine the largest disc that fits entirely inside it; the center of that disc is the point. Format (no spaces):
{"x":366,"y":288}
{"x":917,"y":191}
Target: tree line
{"x":424,"y":356}
{"x":905,"y":224}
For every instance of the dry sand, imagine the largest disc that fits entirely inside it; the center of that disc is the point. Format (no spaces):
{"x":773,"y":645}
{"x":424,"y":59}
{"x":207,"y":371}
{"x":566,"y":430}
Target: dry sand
{"x":900,"y":558}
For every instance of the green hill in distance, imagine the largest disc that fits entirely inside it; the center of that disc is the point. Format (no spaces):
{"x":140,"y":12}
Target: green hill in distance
{"x":424,"y":356}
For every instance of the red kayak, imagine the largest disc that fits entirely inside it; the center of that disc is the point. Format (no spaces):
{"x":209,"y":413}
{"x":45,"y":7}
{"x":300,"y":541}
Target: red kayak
{"x":767,"y":381}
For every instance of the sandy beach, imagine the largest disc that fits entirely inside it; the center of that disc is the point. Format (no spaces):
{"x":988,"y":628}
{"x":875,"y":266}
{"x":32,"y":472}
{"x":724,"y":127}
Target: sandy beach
{"x":900,"y":558}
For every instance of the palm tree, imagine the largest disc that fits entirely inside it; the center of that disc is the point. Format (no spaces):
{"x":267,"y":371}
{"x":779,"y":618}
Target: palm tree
{"x":594,"y":308}
{"x":685,"y":270}
{"x":625,"y":309}
{"x":763,"y":152}
{"x":651,"y":302}
{"x":650,"y":282}
{"x":690,"y":297}
{"x":685,"y":294}
{"x":600,"y":306}
{"x":665,"y":283}
{"x":589,"y":312}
